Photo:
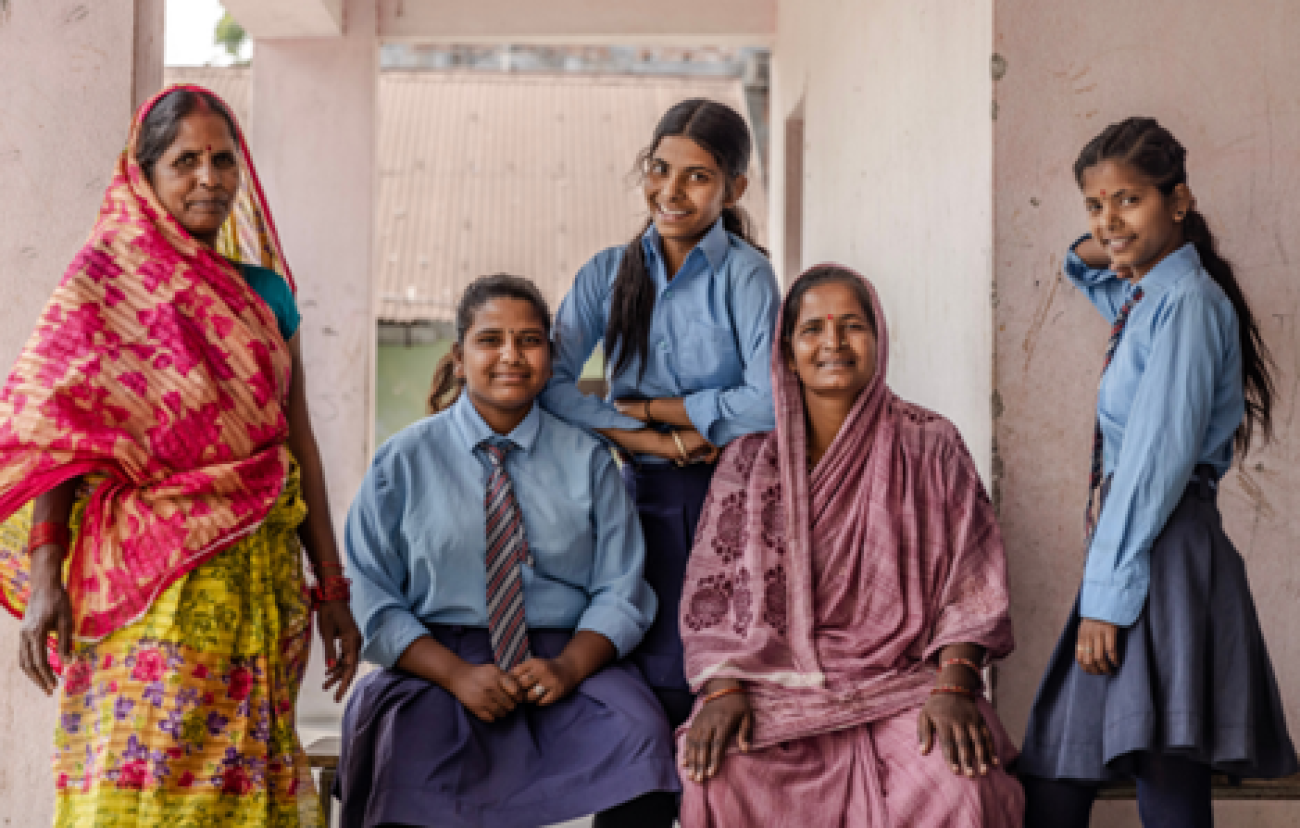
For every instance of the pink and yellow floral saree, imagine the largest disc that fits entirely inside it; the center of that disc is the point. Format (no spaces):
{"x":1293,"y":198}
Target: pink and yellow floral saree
{"x":160,"y":378}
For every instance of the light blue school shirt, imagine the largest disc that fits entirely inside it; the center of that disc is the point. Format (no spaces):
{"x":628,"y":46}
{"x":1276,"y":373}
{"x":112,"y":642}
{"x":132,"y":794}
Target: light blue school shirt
{"x":416,"y":539}
{"x":1171,"y":399}
{"x":710,"y":339}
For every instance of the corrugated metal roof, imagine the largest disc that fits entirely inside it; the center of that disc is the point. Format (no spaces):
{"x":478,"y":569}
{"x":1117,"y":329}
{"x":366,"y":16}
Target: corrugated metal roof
{"x":525,"y":174}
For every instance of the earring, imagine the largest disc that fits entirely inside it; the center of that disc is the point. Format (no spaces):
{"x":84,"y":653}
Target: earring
{"x":1178,"y":217}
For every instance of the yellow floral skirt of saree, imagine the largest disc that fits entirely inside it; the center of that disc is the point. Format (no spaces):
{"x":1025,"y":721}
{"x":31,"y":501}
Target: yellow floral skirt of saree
{"x":185,"y":719}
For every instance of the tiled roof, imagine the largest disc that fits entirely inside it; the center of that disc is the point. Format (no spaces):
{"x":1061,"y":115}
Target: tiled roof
{"x":519,"y":173}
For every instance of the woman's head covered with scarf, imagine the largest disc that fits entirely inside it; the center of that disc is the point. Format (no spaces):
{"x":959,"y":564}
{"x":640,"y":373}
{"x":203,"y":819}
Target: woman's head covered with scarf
{"x":157,"y":374}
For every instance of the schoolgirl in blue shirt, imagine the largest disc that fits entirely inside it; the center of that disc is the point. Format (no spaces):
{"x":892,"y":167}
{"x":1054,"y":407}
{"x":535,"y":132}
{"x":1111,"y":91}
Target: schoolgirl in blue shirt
{"x":1161,"y":673}
{"x":497,"y":570}
{"x":685,"y":313}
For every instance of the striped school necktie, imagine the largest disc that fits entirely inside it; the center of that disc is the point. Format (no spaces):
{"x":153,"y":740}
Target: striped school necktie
{"x":507,"y":548}
{"x":1094,"y":477}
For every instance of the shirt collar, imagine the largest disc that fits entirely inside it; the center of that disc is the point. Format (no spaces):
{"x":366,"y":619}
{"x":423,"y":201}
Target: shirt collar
{"x":1170,"y":270}
{"x":473,"y":429}
{"x":713,"y":246}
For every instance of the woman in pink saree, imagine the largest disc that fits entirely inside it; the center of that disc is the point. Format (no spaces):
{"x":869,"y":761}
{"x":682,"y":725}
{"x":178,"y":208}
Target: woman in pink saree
{"x":847,"y":586}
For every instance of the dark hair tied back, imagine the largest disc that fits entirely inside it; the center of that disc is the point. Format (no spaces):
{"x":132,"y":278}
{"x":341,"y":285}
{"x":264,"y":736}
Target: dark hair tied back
{"x":722,"y":132}
{"x":445,"y":387}
{"x":1154,"y":152}
{"x":163,"y":123}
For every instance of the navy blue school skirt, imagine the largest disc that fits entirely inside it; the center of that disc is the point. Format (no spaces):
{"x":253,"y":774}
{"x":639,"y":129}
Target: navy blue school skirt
{"x":413,"y":755}
{"x":669,"y":500}
{"x":1194,"y":680}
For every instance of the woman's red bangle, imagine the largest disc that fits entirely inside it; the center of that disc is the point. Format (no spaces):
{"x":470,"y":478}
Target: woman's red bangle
{"x":968,"y":664}
{"x":46,"y":533}
{"x":717,"y":694}
{"x":331,"y":588}
{"x":954,"y":689}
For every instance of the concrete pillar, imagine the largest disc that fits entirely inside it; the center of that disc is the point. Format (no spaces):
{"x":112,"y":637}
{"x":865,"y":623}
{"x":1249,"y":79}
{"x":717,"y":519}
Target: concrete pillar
{"x":891,"y":100}
{"x":74,"y":72}
{"x":313,"y":138}
{"x":1227,"y":84}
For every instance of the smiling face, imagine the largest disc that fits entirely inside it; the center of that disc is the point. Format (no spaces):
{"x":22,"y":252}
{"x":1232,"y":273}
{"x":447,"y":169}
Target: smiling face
{"x":197,"y":178}
{"x":505,"y":360}
{"x":1136,"y":223}
{"x":832,"y":347}
{"x":686,"y":191}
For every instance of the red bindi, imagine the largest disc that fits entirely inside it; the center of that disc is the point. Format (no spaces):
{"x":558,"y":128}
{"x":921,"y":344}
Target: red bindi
{"x":1103,"y":193}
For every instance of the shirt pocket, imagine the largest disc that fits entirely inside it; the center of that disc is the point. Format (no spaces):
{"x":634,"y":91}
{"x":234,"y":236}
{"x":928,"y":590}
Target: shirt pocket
{"x":707,"y":357}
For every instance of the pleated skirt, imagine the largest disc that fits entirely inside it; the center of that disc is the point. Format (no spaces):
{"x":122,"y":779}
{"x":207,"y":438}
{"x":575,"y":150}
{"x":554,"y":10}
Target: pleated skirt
{"x":413,"y":755}
{"x":1195,"y":678}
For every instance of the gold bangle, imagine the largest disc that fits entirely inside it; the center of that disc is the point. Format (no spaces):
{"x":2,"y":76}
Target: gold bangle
{"x":681,"y":448}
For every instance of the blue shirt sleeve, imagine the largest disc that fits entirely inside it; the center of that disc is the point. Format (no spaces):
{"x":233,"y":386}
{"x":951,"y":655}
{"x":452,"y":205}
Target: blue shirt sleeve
{"x":1162,"y":442}
{"x":722,"y":415}
{"x":377,"y":564}
{"x":622,"y":603}
{"x":579,"y":326}
{"x":1104,"y":289}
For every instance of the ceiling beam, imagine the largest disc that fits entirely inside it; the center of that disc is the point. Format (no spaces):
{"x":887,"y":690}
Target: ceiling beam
{"x":578,"y":22}
{"x":288,"y":18}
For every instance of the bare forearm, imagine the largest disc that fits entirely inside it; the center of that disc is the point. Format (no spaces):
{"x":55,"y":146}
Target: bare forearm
{"x":1093,"y":254}
{"x":670,"y":410}
{"x":960,"y":674}
{"x":317,"y":530}
{"x":431,"y":661}
{"x":586,"y":653}
{"x":54,"y":506}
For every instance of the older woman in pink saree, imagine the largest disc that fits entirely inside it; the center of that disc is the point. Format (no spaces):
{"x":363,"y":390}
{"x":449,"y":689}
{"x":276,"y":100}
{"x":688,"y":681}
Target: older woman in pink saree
{"x":847,"y":586}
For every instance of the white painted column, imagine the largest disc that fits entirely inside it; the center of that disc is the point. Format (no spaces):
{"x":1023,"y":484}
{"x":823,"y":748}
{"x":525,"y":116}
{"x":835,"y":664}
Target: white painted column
{"x":313,"y":138}
{"x":73,"y":72}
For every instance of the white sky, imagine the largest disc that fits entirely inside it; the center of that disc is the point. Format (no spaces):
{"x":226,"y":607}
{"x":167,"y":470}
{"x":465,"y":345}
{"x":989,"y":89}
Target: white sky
{"x":188,"y":38}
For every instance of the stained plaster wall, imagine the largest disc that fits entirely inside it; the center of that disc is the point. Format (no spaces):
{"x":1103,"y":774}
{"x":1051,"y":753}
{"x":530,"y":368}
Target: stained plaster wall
{"x":1226,"y":79}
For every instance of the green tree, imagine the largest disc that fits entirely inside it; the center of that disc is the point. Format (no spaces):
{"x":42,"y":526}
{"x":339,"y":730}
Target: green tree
{"x":230,"y":35}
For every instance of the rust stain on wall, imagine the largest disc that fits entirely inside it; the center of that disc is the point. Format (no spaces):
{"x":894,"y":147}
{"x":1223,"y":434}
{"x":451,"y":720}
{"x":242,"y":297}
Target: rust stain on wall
{"x":1040,"y":316}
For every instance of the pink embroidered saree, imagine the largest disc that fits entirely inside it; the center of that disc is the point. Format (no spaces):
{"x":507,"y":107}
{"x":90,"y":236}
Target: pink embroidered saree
{"x":156,"y":371}
{"x":830,"y":595}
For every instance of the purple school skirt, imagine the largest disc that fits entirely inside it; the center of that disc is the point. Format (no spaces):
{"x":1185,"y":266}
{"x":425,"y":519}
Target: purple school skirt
{"x":669,"y":501}
{"x":413,"y":755}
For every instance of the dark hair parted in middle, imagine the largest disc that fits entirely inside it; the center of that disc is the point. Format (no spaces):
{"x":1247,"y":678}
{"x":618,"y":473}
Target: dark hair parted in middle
{"x":720,"y":131}
{"x":163,"y":123}
{"x":445,"y":387}
{"x":816,"y":277}
{"x":1154,"y":152}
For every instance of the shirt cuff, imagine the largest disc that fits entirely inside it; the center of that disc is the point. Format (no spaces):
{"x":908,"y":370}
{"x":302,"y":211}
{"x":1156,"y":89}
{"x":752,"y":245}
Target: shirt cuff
{"x":702,"y":408}
{"x":1112,"y":603}
{"x":623,"y":631}
{"x":397,"y":631}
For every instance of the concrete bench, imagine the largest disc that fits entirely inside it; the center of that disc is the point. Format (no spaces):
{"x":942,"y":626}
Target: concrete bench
{"x":324,"y":755}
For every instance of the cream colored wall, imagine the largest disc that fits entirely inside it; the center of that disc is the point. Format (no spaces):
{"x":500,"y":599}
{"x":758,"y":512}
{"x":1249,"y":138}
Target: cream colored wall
{"x":1226,"y":79}
{"x":898,"y":179}
{"x":73,"y":73}
{"x":313,"y":137}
